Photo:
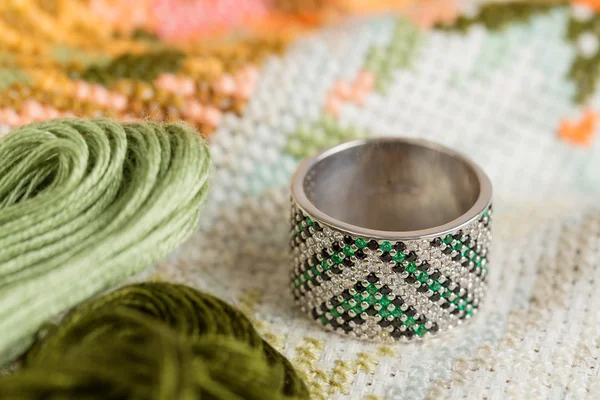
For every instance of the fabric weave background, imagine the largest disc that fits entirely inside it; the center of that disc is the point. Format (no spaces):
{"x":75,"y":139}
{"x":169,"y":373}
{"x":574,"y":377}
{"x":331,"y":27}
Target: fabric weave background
{"x":505,"y":95}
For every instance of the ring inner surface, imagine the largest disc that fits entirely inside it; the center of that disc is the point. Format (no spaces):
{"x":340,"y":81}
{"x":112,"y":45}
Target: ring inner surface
{"x":392,"y":186}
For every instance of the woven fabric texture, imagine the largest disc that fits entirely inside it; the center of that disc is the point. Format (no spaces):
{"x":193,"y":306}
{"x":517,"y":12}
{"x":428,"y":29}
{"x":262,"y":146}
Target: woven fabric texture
{"x":512,"y":85}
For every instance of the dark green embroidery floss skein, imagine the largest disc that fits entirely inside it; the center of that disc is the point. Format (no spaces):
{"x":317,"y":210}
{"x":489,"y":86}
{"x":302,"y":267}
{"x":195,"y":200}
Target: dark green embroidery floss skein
{"x":156,"y":341}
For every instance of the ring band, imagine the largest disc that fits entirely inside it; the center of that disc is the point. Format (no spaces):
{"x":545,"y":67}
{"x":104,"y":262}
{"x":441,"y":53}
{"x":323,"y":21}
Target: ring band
{"x":390,"y":238}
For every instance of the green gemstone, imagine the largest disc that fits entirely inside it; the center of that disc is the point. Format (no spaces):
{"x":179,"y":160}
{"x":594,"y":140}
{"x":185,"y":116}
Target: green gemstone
{"x":457,"y":246}
{"x":386,"y":247}
{"x":384,"y":301}
{"x":411,"y":267}
{"x":345,"y":305}
{"x":446,"y":294}
{"x":435,"y":286}
{"x":399,"y":257}
{"x":324,"y":319}
{"x":307,"y":275}
{"x":384,"y":312}
{"x":360,"y":243}
{"x":315,"y":271}
{"x":357,"y":309}
{"x":358,"y":297}
{"x":371,"y":300}
{"x":410,"y":321}
{"x":348,"y":251}
{"x":325,"y":265}
{"x":461,"y":307}
{"x":423,"y":277}
{"x":336,"y":258}
{"x":421,"y":331}
{"x":372,"y":289}
{"x":309,"y":222}
{"x":397,"y":312}
{"x":448,"y":239}
{"x":335,"y":313}
{"x":486,"y":214}
{"x":470,"y":312}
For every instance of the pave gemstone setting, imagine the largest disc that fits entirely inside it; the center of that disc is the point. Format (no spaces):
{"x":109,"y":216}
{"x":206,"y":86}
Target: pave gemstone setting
{"x":388,"y":290}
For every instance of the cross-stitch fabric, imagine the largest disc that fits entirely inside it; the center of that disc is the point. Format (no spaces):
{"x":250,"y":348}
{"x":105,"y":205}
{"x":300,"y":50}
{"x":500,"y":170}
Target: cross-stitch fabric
{"x":512,"y":85}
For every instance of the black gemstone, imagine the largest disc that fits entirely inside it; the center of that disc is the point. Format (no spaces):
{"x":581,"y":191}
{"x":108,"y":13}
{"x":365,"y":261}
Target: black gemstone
{"x":358,"y":321}
{"x":398,"y":268}
{"x":435,"y":297}
{"x":359,"y":287}
{"x":348,"y":262}
{"x":373,"y":245}
{"x":314,"y":259}
{"x":336,"y":270}
{"x":326,"y":277}
{"x":436,"y":274}
{"x":398,"y":302}
{"x":410,"y":279}
{"x":348,"y":239}
{"x":317,"y":227}
{"x":335,"y":301}
{"x":457,"y":257}
{"x":408,"y":333}
{"x":385,"y":290}
{"x":423,"y":288}
{"x":346,"y":294}
{"x":434,"y":328}
{"x":346,"y":317}
{"x":466,"y":263}
{"x":360,"y":254}
{"x":371,"y":311}
{"x":399,"y":246}
{"x":315,"y":314}
{"x":424,"y":266}
{"x":446,"y":305}
{"x":455,"y":311}
{"x":336,"y":247}
{"x":446,"y":283}
{"x":410,"y":311}
{"x":384,"y":322}
{"x":466,"y":240}
{"x":334,"y":323}
{"x":456,"y":290}
{"x":421,"y":320}
{"x":412,"y":256}
{"x":458,"y":235}
{"x":386,"y":257}
{"x":397,"y":334}
{"x":324,"y":307}
{"x":447,"y":250}
{"x":324,"y":253}
{"x":307,"y":265}
{"x":397,"y":323}
{"x":437,"y":242}
{"x":372,"y":278}
{"x":346,"y":327}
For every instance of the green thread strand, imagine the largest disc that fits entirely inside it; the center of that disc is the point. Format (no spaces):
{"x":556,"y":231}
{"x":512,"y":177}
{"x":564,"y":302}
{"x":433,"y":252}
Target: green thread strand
{"x":156,"y":341}
{"x":75,"y":194}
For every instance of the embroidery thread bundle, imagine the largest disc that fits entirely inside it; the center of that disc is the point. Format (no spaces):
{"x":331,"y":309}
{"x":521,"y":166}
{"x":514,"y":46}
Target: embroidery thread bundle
{"x":154,"y":341}
{"x":85,"y":204}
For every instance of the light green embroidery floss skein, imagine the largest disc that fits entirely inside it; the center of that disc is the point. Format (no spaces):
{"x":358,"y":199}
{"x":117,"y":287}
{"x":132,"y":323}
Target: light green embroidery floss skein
{"x":85,"y":204}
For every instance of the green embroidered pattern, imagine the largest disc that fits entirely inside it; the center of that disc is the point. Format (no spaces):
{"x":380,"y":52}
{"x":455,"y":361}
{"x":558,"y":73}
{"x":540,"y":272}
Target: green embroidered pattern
{"x":308,"y":140}
{"x":498,"y":16}
{"x":382,"y":61}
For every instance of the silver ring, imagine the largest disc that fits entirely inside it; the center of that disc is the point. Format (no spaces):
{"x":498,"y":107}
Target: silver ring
{"x":390,"y":238}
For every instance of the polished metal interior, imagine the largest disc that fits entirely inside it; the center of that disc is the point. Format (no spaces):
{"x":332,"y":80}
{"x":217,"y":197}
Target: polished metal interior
{"x":392,"y":185}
